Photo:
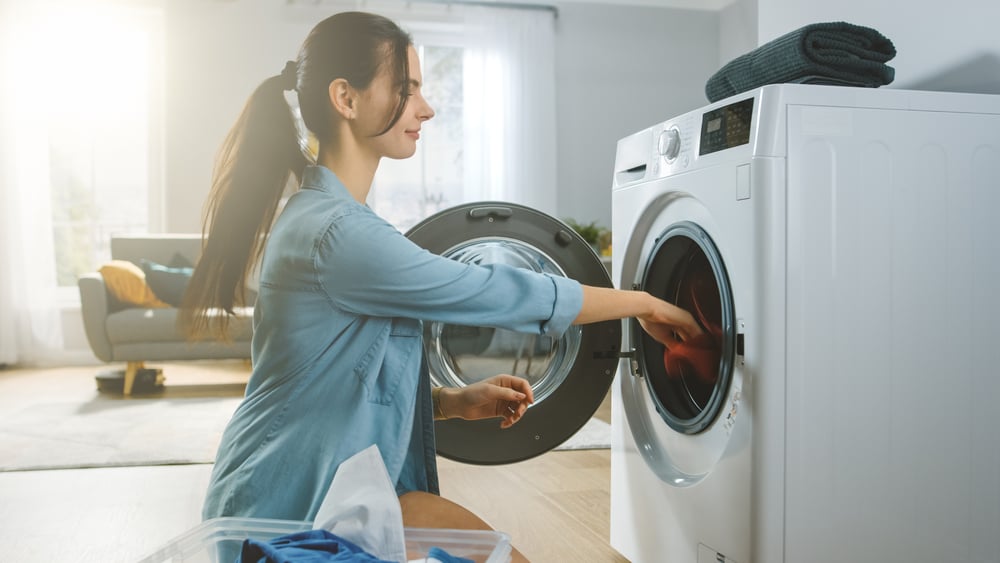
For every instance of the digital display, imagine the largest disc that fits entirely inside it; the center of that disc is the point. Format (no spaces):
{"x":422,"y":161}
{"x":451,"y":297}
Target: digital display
{"x":726,"y":127}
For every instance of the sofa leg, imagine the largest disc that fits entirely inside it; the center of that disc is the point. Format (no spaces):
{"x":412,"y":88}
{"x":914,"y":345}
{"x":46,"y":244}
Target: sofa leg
{"x":130,"y":372}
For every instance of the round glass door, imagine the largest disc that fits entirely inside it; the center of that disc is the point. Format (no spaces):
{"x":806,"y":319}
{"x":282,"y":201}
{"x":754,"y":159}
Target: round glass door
{"x":570,"y":376}
{"x":460,"y":355}
{"x":689,"y":380}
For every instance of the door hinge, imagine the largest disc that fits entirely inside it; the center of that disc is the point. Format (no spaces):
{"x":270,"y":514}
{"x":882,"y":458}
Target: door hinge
{"x":614,"y":355}
{"x":629,"y":355}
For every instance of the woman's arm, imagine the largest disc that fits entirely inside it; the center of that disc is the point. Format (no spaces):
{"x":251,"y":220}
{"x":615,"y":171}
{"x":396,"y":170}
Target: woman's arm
{"x":657,"y":317}
{"x":409,"y":281}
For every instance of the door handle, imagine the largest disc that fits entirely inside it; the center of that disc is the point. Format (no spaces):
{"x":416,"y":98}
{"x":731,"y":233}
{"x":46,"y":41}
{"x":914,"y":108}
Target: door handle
{"x":491,"y":211}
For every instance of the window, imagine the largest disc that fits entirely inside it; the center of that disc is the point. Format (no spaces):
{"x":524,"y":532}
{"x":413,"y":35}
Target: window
{"x":93,"y":107}
{"x":490,"y":78}
{"x":410,"y":190}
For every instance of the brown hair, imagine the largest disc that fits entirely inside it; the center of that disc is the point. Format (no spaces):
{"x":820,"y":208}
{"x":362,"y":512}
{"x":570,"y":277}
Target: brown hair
{"x":263,"y":149}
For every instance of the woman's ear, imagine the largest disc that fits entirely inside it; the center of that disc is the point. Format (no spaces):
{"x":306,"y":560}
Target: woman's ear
{"x":343,"y":98}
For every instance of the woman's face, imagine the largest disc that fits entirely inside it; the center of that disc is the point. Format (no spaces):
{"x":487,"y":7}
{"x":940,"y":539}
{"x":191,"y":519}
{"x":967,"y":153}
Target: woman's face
{"x":380,"y":100}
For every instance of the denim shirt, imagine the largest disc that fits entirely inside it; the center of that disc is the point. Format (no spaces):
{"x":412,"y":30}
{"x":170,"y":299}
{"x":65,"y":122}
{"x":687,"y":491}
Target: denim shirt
{"x":338,"y":354}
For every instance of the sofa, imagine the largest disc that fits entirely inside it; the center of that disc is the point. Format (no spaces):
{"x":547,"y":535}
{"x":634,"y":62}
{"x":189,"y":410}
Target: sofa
{"x":140,"y":331}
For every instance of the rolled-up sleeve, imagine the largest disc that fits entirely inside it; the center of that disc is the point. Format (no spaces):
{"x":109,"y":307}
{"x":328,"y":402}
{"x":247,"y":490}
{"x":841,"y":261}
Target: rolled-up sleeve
{"x":368,"y":267}
{"x":566,"y":307}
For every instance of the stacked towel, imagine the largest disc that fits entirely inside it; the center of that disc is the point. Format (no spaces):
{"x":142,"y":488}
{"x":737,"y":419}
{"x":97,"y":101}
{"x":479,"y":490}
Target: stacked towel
{"x":820,"y":53}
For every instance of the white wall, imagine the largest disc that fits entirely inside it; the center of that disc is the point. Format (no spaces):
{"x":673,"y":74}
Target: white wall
{"x":737,"y":30}
{"x":951,"y":46}
{"x":620,"y":69}
{"x":217,"y":54}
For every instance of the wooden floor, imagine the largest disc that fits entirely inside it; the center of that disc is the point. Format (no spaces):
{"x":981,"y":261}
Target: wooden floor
{"x":555,"y":506}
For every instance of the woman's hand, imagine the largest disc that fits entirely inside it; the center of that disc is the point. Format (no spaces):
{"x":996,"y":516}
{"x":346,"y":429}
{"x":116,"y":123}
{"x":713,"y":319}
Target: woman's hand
{"x":498,"y":396}
{"x":666,"y":323}
{"x":669,"y":324}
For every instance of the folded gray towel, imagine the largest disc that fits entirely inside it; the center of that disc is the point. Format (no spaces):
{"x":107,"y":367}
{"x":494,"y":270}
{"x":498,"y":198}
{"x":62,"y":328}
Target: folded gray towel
{"x":820,"y":53}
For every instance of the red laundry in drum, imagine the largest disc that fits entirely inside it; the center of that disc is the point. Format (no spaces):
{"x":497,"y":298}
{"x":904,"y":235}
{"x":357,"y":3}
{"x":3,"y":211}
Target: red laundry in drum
{"x":699,"y":355}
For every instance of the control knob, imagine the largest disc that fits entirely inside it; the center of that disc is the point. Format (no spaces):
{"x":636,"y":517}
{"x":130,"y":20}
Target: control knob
{"x":669,"y":144}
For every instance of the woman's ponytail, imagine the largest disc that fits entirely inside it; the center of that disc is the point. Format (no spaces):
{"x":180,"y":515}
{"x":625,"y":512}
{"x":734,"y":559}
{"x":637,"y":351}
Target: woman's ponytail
{"x":251,"y":172}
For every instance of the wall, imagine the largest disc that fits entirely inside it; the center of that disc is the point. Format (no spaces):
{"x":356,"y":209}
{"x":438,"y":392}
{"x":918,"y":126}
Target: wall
{"x":618,"y":70}
{"x":737,"y":30}
{"x":217,"y":54}
{"x":607,"y":86}
{"x":952,"y":46}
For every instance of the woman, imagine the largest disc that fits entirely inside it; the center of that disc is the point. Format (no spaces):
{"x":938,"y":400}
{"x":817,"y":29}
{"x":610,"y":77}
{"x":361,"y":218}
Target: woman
{"x":337,"y":352}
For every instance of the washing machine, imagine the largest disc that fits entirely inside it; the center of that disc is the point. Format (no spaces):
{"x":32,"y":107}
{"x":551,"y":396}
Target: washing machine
{"x":840,"y":248}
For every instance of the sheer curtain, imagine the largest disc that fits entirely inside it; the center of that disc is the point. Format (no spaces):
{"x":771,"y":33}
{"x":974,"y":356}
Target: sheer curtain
{"x":30,"y":324}
{"x":509,"y":113}
{"x":8,"y":342}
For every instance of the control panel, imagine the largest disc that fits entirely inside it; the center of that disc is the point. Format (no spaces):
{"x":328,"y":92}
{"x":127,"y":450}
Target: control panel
{"x":726,"y":127}
{"x":674,"y":144}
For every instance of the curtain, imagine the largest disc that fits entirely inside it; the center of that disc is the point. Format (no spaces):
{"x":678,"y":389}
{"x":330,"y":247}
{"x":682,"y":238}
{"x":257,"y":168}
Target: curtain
{"x":509,"y":112}
{"x":30,"y":319}
{"x":8,"y":342}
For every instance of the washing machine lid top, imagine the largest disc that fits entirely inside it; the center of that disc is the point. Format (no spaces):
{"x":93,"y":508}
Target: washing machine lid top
{"x":570,"y":376}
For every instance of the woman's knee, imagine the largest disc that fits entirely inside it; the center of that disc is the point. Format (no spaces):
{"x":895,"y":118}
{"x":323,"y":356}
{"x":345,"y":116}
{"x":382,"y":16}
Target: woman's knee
{"x":426,"y":510}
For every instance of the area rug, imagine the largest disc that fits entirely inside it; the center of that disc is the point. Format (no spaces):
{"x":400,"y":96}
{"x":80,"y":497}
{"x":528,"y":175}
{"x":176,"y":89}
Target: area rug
{"x":56,"y":419}
{"x":595,"y":435}
{"x":114,"y":433}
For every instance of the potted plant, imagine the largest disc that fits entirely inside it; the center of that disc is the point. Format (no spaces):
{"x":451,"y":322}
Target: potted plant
{"x":599,"y":238}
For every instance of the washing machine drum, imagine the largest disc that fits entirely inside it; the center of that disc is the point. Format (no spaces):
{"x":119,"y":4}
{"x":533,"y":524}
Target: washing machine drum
{"x":688,"y":380}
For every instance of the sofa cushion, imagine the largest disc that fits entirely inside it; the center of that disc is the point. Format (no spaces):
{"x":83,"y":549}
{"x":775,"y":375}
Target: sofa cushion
{"x":162,"y":248}
{"x":166,"y":282}
{"x":179,"y":261}
{"x":127,"y":283}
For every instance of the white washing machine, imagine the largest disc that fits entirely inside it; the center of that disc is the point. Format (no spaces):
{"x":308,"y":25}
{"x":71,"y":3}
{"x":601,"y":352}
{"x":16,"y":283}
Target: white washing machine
{"x":841,"y":248}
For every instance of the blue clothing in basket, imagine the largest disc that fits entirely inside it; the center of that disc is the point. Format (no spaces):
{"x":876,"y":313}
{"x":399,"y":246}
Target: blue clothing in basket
{"x":320,"y":546}
{"x":312,"y":546}
{"x":338,"y":356}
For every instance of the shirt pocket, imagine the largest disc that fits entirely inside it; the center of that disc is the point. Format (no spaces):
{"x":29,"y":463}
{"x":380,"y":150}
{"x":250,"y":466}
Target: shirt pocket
{"x":392,"y":361}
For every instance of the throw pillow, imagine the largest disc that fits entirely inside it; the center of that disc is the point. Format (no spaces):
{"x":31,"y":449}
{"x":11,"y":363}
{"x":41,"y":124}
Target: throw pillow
{"x":179,"y":261}
{"x":167,"y":283}
{"x":127,"y":283}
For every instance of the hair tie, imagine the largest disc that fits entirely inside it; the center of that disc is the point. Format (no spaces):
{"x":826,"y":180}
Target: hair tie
{"x":290,"y":76}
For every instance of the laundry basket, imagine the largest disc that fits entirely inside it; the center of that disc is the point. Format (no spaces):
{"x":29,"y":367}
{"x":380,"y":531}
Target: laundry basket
{"x":219,"y":540}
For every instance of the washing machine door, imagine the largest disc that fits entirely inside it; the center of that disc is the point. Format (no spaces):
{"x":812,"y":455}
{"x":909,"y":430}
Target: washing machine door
{"x":569,"y":376}
{"x":680,"y":398}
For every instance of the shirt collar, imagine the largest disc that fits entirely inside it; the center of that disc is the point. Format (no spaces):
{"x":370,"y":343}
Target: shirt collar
{"x":321,"y":178}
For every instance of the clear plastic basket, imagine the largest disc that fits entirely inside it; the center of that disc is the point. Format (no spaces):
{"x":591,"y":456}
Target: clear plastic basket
{"x":219,"y":540}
